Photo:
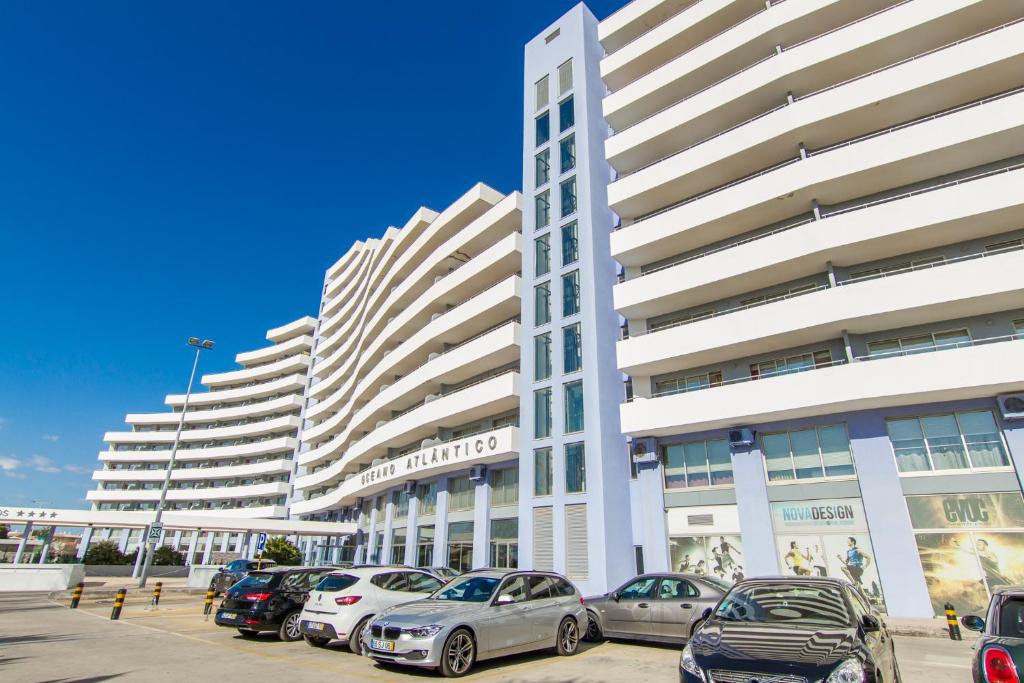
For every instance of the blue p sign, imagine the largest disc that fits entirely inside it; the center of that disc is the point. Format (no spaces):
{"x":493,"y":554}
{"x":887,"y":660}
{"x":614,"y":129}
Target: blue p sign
{"x":261,"y":542}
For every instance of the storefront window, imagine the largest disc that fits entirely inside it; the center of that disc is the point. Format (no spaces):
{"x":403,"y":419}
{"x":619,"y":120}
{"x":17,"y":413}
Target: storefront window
{"x":814,"y":453}
{"x":460,"y":546}
{"x":505,"y":543}
{"x":970,"y":545}
{"x":697,"y":464}
{"x":953,"y":441}
{"x":718,"y":556}
{"x":398,"y":546}
{"x":425,"y":546}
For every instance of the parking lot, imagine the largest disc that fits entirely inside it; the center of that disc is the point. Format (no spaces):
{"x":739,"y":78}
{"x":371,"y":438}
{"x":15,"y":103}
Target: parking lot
{"x":42,"y":641}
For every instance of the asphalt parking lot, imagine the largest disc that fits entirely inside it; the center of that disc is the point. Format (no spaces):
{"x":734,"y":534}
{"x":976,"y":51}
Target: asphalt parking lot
{"x":42,"y":641}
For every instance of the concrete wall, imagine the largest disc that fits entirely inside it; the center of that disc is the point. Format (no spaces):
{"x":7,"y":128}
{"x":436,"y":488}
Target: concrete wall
{"x":40,"y":577}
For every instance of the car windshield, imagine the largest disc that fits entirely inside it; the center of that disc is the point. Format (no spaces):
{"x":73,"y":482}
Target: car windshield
{"x":236,"y":566}
{"x":785,"y":603}
{"x":332,"y":583}
{"x":256,"y":580}
{"x":467,"y":589}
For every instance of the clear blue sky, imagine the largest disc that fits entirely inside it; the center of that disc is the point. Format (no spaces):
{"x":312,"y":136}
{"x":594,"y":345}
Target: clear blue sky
{"x":179,"y":168}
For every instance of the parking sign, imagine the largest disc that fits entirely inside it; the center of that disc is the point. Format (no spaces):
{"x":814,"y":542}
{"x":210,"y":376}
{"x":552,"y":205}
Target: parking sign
{"x":261,"y":542}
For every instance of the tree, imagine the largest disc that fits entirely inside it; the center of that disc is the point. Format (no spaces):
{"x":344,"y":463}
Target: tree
{"x":105,"y":552}
{"x":3,"y":531}
{"x":167,"y":556}
{"x":281,"y":551}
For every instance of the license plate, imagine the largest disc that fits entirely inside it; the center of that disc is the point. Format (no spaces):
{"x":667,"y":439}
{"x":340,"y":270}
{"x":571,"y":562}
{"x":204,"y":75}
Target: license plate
{"x":314,"y":626}
{"x":228,"y":615}
{"x":384,"y":645}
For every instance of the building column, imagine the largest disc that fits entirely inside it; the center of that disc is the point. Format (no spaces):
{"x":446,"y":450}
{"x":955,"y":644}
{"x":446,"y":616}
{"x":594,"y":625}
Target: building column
{"x":653,"y":520}
{"x":889,"y":527}
{"x":225,"y":542}
{"x":192,"y":542}
{"x":1014,"y":434}
{"x":389,"y":518}
{"x":122,"y":544}
{"x":411,"y":532}
{"x":481,"y":523}
{"x":176,"y":543}
{"x":47,"y":544}
{"x":83,"y":544}
{"x":208,"y":547}
{"x":139,"y":552}
{"x":441,"y":524}
{"x":25,"y":535}
{"x":755,"y":513}
{"x":371,"y":536}
{"x":243,"y":543}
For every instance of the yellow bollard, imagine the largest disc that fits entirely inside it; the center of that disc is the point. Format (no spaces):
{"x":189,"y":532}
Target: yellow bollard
{"x":208,"y":606}
{"x":954,"y":627}
{"x":118,"y":604}
{"x":76,"y":596}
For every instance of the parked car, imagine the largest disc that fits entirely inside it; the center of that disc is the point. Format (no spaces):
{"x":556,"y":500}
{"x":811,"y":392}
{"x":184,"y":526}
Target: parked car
{"x":341,"y":604}
{"x":443,"y":573}
{"x":791,"y":629}
{"x":269,"y":600}
{"x":656,"y":607}
{"x":999,"y":652}
{"x":234,"y":571}
{"x":480,"y":616}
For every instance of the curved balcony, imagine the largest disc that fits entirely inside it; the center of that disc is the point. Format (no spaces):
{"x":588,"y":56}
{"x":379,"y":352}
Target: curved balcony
{"x":279,"y":488}
{"x":283,"y":404}
{"x":292,"y":346}
{"x":285,"y":366}
{"x":332,"y":303}
{"x":484,"y":448}
{"x":256,"y":428}
{"x":979,"y":370}
{"x":281,"y":444}
{"x":257,"y":390}
{"x":197,"y":473}
{"x":303,"y":326}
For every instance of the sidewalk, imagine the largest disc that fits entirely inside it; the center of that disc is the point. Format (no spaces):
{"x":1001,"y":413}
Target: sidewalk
{"x":926,"y":628}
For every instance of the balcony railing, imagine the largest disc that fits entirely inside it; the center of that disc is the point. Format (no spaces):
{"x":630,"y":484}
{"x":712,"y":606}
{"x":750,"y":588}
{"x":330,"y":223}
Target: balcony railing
{"x":684,"y":389}
{"x":941,"y":347}
{"x":936,"y":264}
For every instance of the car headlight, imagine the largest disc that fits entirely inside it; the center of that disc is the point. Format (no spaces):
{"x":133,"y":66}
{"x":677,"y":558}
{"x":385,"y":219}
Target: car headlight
{"x":850,"y":671}
{"x":688,"y":664}
{"x":428,"y":631}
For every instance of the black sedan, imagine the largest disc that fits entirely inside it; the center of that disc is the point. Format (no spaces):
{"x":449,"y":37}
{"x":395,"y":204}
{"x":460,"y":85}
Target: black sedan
{"x":999,"y":652}
{"x":791,"y":629}
{"x":269,"y":600}
{"x":234,"y":571}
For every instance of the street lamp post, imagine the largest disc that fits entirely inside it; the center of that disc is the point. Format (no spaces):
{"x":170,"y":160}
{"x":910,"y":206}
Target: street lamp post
{"x":150,"y":544}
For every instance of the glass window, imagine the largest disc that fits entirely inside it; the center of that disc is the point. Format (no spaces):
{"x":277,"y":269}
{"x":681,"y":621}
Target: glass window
{"x":425,"y":546}
{"x":921,"y":343}
{"x":542,"y":472}
{"x":676,"y":589}
{"x":572,"y":348}
{"x":542,"y":356}
{"x":568,"y":196}
{"x":571,"y":293}
{"x":678,"y":385}
{"x":398,"y":546}
{"x":423,"y":583}
{"x":505,"y":487}
{"x":808,"y":453}
{"x":542,"y":413}
{"x":574,"y":407}
{"x":392,"y":581}
{"x":575,"y":468}
{"x":789,"y":364}
{"x":565,"y":77}
{"x":542,"y":206}
{"x":542,"y":129}
{"x":515,"y":588}
{"x":953,"y":441}
{"x":542,"y":303}
{"x":697,"y":463}
{"x":542,"y":167}
{"x":460,"y":546}
{"x":468,"y":589}
{"x":571,"y":243}
{"x":427,"y":495}
{"x":567,"y":153}
{"x":641,"y":589}
{"x":542,"y":97}
{"x":460,"y":494}
{"x":1018,"y":328}
{"x":400,"y":504}
{"x":542,"y":255}
{"x":541,"y":587}
{"x":505,"y":543}
{"x":566,"y":114}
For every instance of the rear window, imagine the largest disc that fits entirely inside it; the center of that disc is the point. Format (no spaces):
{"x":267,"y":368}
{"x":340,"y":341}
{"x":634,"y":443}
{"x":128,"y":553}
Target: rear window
{"x":1011,"y":618}
{"x":563,"y":588}
{"x":257,"y":580}
{"x":332,"y":583}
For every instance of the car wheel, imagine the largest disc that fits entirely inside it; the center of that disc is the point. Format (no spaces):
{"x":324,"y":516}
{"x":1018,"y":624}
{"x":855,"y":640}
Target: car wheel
{"x":355,"y":641}
{"x":290,"y":630}
{"x":247,"y":633}
{"x":314,"y":641}
{"x":458,"y":654}
{"x":568,"y":637}
{"x":594,"y":633}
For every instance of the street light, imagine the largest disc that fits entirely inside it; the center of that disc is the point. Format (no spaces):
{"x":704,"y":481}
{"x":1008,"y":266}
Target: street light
{"x":150,"y":546}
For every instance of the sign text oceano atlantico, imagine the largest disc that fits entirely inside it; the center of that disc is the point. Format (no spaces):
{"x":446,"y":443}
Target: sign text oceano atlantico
{"x":452,"y":451}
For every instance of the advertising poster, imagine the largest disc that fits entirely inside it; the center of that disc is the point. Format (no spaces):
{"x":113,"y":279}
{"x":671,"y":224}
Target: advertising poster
{"x":969,"y":545}
{"x":827,"y":537}
{"x":719,"y":556}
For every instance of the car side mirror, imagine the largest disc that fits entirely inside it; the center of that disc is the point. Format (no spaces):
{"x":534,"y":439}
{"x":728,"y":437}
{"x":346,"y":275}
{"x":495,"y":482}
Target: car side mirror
{"x":707,"y":613}
{"x":504,"y":600}
{"x":870,"y":623}
{"x":973,"y":623}
{"x":615,"y":596}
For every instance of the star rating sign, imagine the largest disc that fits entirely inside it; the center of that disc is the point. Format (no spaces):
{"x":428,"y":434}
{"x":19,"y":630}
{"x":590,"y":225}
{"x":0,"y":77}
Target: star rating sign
{"x":31,"y":513}
{"x":52,"y":515}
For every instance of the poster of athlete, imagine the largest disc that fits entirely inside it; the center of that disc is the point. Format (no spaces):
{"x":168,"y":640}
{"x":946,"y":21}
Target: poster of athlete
{"x":720,"y":556}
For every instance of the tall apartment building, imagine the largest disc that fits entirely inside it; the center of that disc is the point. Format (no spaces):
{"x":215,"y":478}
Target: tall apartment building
{"x":237,"y":449}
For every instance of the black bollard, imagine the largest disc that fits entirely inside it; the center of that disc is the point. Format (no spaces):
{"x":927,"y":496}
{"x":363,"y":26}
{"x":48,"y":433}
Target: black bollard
{"x":76,"y":596}
{"x":954,"y":627}
{"x":118,"y":604}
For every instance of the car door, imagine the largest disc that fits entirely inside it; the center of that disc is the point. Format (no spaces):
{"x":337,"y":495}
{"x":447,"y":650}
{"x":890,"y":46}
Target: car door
{"x":543,"y":613}
{"x":877,"y":641}
{"x":674,"y":608}
{"x":628,"y":610}
{"x":504,"y":626}
{"x":391,"y":588}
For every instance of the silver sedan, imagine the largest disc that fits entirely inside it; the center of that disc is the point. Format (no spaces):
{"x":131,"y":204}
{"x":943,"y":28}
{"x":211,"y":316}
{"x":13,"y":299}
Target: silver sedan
{"x":479,"y":616}
{"x":665,"y":608}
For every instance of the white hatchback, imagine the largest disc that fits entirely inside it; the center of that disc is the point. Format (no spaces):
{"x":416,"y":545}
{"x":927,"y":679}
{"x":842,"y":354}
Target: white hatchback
{"x":345,"y":600}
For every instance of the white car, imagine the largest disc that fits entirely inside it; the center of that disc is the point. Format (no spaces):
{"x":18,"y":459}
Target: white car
{"x":345,"y":600}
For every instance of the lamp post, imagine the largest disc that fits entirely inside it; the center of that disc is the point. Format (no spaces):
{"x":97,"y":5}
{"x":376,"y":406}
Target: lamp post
{"x":150,"y":544}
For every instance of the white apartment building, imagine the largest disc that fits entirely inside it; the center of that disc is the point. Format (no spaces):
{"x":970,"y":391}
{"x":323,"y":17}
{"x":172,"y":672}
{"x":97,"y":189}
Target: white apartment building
{"x":238,"y":445}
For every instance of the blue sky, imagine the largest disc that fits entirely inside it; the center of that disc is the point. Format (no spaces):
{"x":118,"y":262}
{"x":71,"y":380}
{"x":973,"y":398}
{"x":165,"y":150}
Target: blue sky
{"x":170,"y":169}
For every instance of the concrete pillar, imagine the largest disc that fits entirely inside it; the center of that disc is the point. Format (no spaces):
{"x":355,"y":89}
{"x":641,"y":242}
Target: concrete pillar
{"x":46,"y":545}
{"x":411,"y":532}
{"x":23,"y":543}
{"x":653,"y":521}
{"x":106,"y":533}
{"x":755,"y":513}
{"x":83,"y":545}
{"x":225,"y":541}
{"x":481,"y":523}
{"x":371,"y":536}
{"x":137,"y":569}
{"x":389,"y":514}
{"x":208,"y":547}
{"x":193,"y":541}
{"x":176,"y":543}
{"x":243,"y":543}
{"x":441,"y":524}
{"x":122,"y":544}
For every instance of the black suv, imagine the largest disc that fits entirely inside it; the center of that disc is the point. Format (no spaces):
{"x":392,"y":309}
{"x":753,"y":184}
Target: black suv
{"x":234,"y":571}
{"x":269,"y":600}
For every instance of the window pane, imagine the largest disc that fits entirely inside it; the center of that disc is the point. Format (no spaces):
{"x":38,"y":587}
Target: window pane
{"x":572,"y":348}
{"x":565,"y":77}
{"x":566,"y":114}
{"x":917,"y":344}
{"x":675,"y":469}
{"x":574,"y":407}
{"x":720,"y":462}
{"x":542,"y":304}
{"x":460,"y":494}
{"x":542,"y":413}
{"x":835,"y":451}
{"x":543,"y":129}
{"x":951,"y":338}
{"x":542,"y":206}
{"x":542,"y":356}
{"x":908,"y":445}
{"x":542,"y":472}
{"x":944,"y":443}
{"x":570,"y":243}
{"x":806,"y":459}
{"x":568,"y":197}
{"x":567,"y":153}
{"x":575,"y":469}
{"x":982,"y":436}
{"x":696,"y":458}
{"x":571,"y":293}
{"x":427,"y":494}
{"x":541,"y":255}
{"x":887,"y":347}
{"x":542,"y":98}
{"x":460,"y":532}
{"x":542,"y":168}
{"x":777,"y":458}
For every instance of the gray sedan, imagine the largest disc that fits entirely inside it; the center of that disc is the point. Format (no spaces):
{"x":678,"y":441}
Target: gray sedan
{"x":665,"y":608}
{"x":478,"y":616}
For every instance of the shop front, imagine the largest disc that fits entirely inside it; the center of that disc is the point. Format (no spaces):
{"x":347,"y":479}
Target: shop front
{"x":706,"y":541}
